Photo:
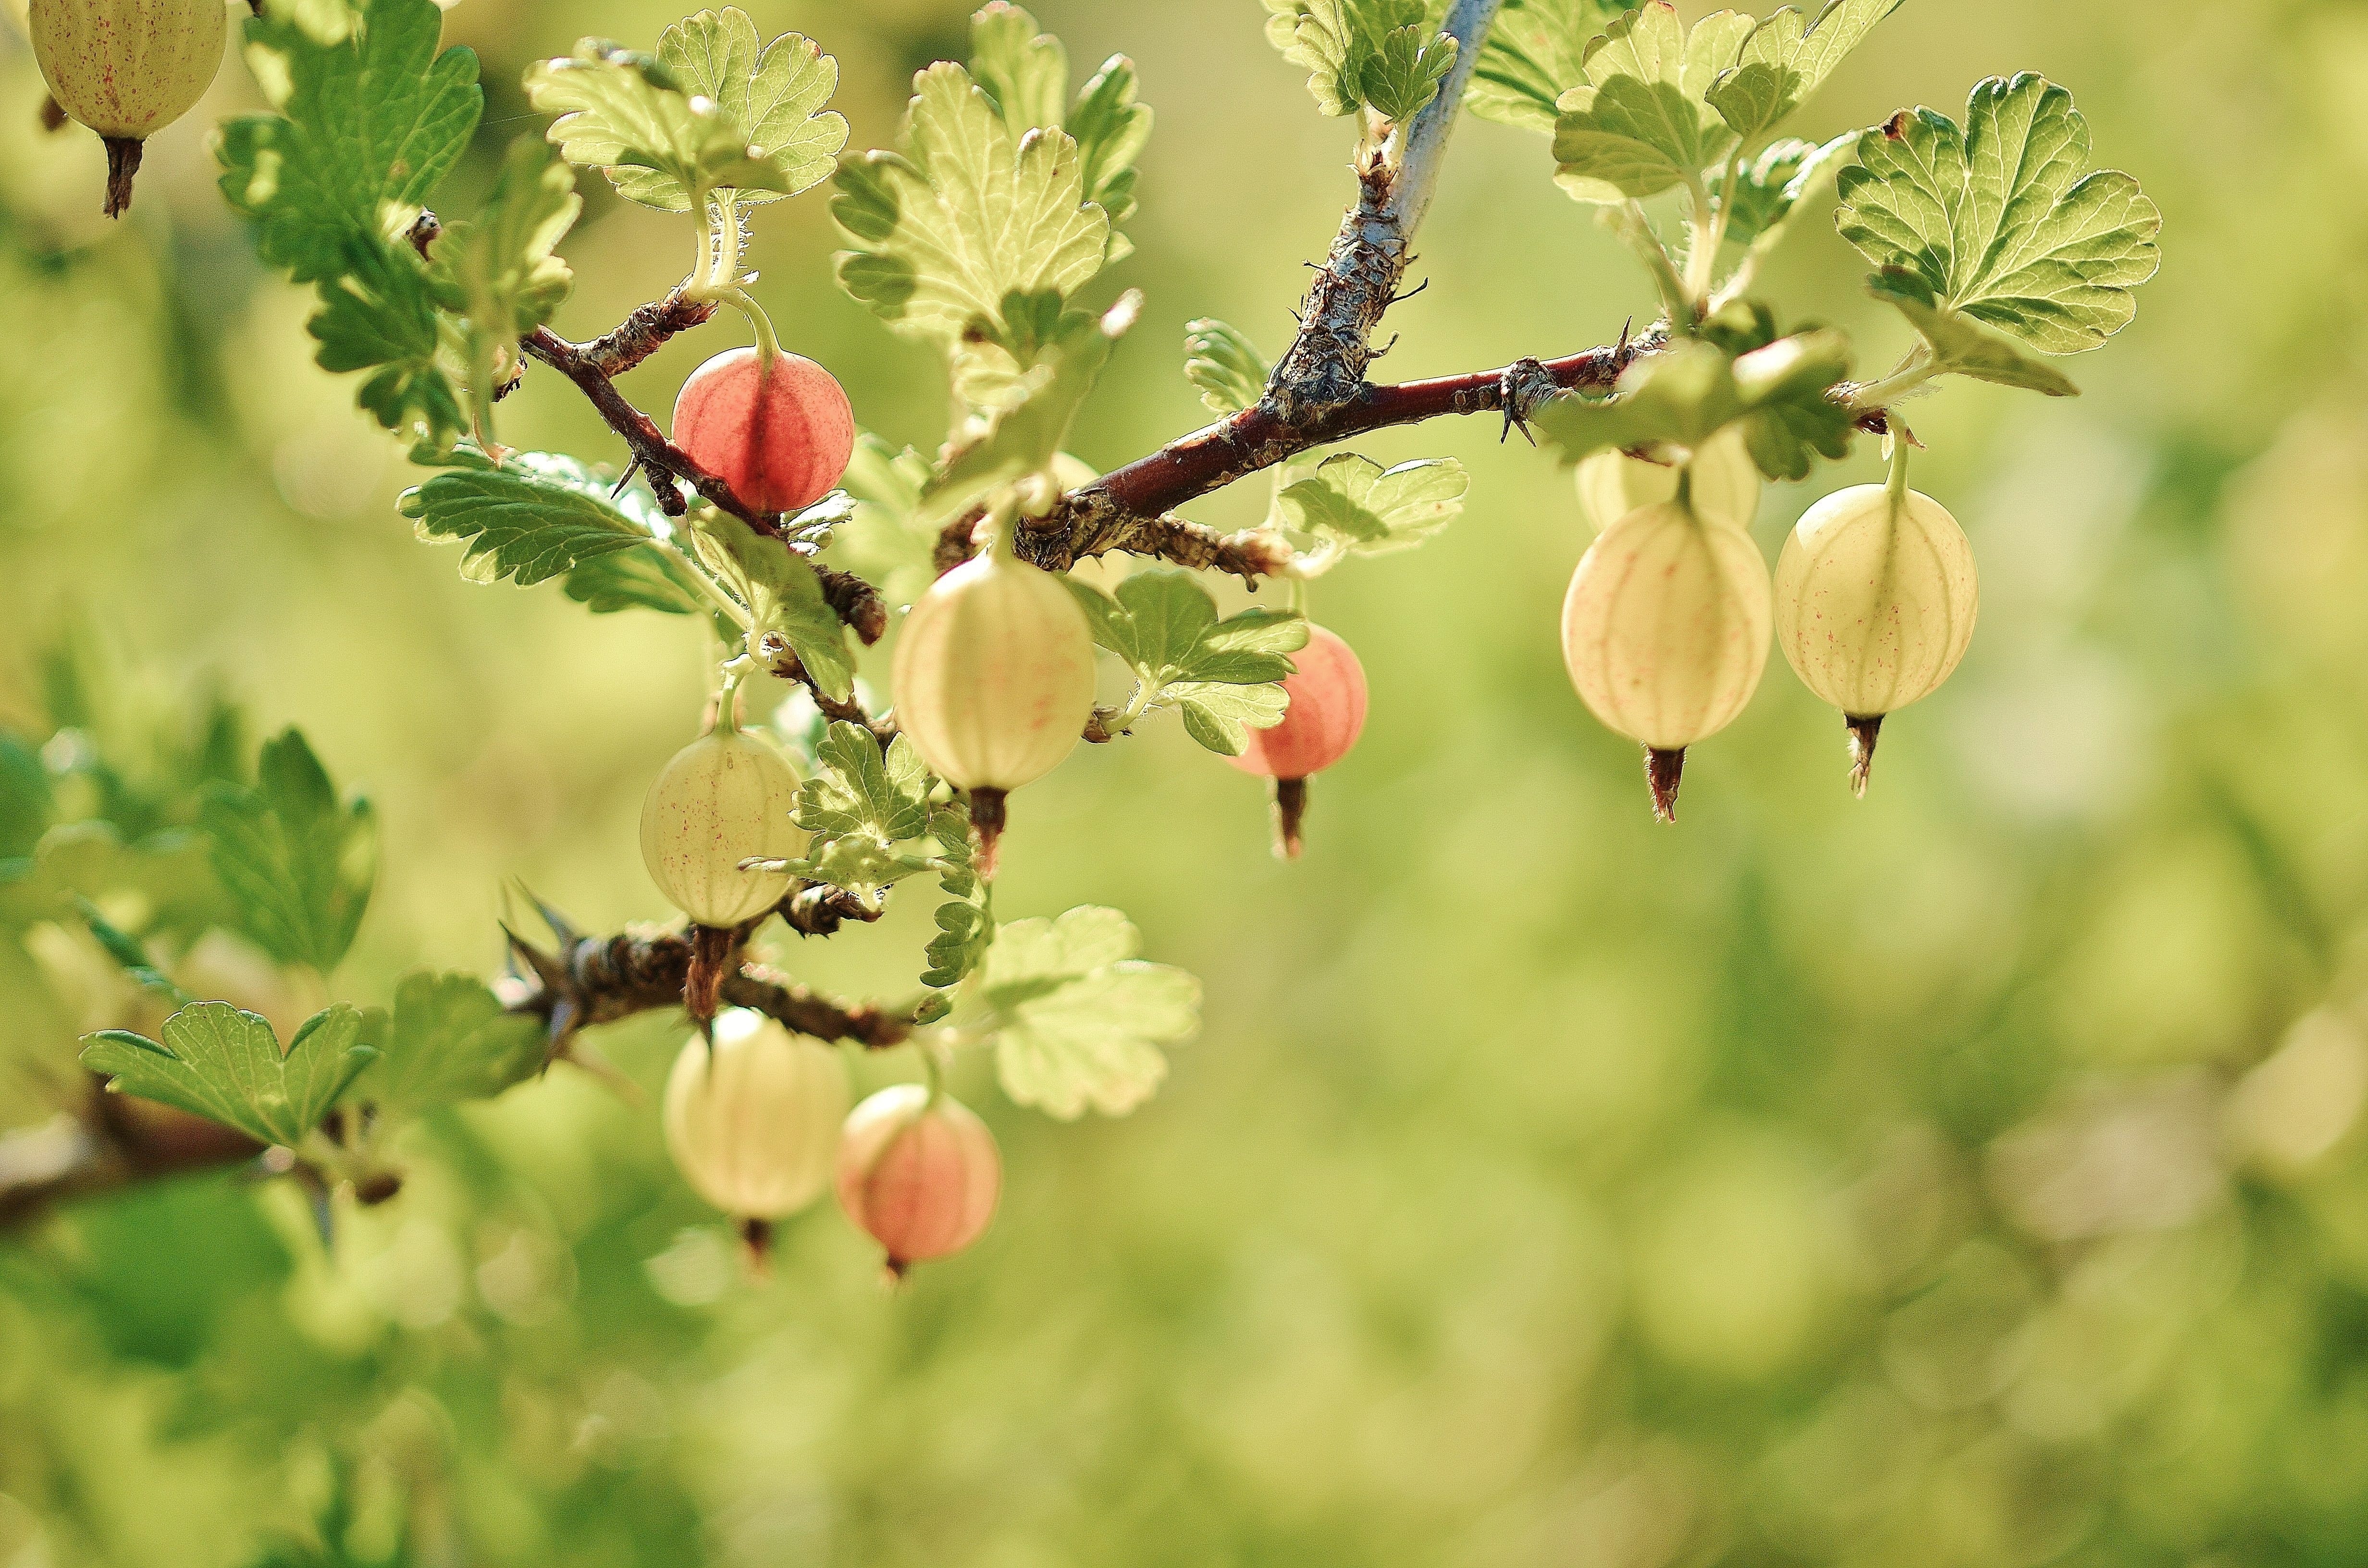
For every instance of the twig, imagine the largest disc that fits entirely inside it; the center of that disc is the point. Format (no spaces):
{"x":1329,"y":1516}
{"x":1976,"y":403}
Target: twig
{"x":1126,"y":508}
{"x":598,"y":979}
{"x":81,"y":1156}
{"x":594,"y":366}
{"x":853,"y":598}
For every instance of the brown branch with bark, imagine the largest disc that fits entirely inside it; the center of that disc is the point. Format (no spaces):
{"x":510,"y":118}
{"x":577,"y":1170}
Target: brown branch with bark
{"x":594,"y":366}
{"x":1317,"y":396}
{"x":117,"y":1141}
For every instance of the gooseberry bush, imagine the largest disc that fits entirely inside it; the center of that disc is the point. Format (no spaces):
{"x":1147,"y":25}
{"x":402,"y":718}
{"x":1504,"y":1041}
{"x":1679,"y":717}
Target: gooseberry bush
{"x":924,"y":601}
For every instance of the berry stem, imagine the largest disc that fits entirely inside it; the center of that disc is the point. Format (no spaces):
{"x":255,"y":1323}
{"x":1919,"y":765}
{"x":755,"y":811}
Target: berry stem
{"x":768,"y":343}
{"x":1896,"y":483}
{"x":1863,"y":733}
{"x":1289,"y":813}
{"x":123,"y":164}
{"x":1664,"y":771}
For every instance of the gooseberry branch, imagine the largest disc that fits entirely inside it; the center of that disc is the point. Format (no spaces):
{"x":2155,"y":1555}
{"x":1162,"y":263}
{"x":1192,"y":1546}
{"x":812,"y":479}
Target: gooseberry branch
{"x":1318,"y":395}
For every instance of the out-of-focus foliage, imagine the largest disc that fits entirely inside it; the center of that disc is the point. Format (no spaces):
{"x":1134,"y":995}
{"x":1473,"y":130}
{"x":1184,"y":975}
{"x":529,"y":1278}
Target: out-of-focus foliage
{"x":1969,"y":1176}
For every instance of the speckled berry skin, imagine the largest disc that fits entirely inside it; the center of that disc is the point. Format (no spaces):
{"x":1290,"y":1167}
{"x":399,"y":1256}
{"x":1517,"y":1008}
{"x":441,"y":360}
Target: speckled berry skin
{"x":127,"y":69}
{"x":725,"y":798}
{"x":779,"y":438}
{"x":1326,"y":715}
{"x":1875,"y":601}
{"x":921,"y":1178}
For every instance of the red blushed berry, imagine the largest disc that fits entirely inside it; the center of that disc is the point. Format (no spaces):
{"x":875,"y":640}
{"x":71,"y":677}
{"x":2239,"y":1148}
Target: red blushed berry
{"x":1326,"y":715}
{"x":919,"y":1171}
{"x":780,"y":436}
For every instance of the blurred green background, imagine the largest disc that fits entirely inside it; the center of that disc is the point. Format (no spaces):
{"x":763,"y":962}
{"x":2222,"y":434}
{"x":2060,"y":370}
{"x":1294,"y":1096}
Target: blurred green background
{"x":1964,"y":1177}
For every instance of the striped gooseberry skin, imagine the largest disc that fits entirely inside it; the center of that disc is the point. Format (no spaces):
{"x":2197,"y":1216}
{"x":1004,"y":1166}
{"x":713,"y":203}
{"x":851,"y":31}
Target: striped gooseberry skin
{"x":1665,"y":628}
{"x":1726,"y":482}
{"x":780,"y":438}
{"x":752,"y":1121}
{"x":994,"y":673}
{"x":1875,"y":602}
{"x":1326,"y":715}
{"x":127,"y":68}
{"x":921,"y":1177}
{"x":725,"y":798}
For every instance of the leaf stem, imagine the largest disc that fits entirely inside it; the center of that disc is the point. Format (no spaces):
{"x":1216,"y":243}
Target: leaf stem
{"x":1634,"y":228}
{"x":702,"y":276}
{"x":768,"y":346}
{"x":1704,"y":224}
{"x":1918,"y":368}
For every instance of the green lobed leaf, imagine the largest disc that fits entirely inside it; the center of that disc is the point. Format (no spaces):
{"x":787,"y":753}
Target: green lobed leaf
{"x":1961,"y":346}
{"x":1024,"y":73}
{"x":859,"y":788}
{"x":1079,"y":1020}
{"x":379,"y":315}
{"x":1352,"y":503}
{"x":643,"y":577}
{"x":219,"y":1063}
{"x":1535,"y":53}
{"x":537,"y":516}
{"x":1771,"y":188}
{"x":1998,"y":223}
{"x":626,"y":114}
{"x":782,"y":593}
{"x":1785,"y":61}
{"x":1340,"y":44}
{"x":1110,"y":128}
{"x":971,"y":237}
{"x":1222,"y":675}
{"x":771,"y":95}
{"x":966,"y":923}
{"x":1640,"y":124}
{"x":450,"y":1039}
{"x":1401,"y":76}
{"x":1220,"y":716}
{"x":1224,"y":364}
{"x":861,"y":805}
{"x":367,"y":125}
{"x":500,"y":270}
{"x":1024,"y":436}
{"x":297,"y":863}
{"x":1674,"y":401}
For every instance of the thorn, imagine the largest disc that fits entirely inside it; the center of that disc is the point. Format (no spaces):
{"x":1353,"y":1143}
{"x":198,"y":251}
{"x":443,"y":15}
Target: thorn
{"x":1663,"y":772}
{"x":1863,"y":732}
{"x":1402,"y":299}
{"x":1626,"y":328}
{"x":563,"y":929}
{"x":1385,"y":347}
{"x":559,"y":1031}
{"x":550,"y":973}
{"x":631,"y":468}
